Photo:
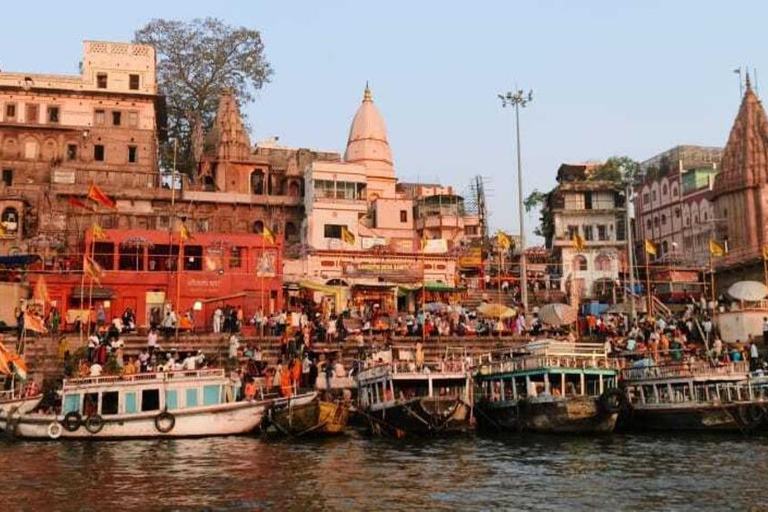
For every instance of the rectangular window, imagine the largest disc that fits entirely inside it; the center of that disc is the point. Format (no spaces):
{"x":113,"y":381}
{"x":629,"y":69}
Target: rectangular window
{"x":133,"y":119}
{"x":171,"y":399}
{"x":53,"y":114}
{"x":587,"y":200}
{"x":71,"y":151}
{"x":130,"y":403}
{"x":132,"y":154}
{"x":211,"y":394}
{"x":588,"y":233}
{"x":191,"y":397}
{"x":98,"y":153}
{"x":602,"y":232}
{"x":101,"y":80}
{"x":117,"y":117}
{"x":193,"y":257}
{"x":332,"y":231}
{"x":71,"y":404}
{"x":133,"y":82}
{"x":8,"y":177}
{"x":99,"y":117}
{"x":235,"y":257}
{"x":403,"y":215}
{"x":10,"y":111}
{"x":150,"y":400}
{"x":109,"y":402}
{"x":131,"y":258}
{"x":33,"y":114}
{"x":572,"y":232}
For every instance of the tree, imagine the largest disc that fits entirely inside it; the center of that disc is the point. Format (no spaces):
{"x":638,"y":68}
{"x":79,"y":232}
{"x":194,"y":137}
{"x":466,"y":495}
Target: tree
{"x":196,"y":61}
{"x":616,"y":169}
{"x":546,"y":227}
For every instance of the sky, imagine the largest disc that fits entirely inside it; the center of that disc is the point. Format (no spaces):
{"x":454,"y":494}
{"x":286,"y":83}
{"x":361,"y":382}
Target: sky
{"x":609,"y":78}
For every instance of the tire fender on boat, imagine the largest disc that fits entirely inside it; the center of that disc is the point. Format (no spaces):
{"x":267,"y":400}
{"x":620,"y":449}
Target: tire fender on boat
{"x":55,"y":430}
{"x":164,"y":422}
{"x":612,"y":400}
{"x":72,"y":421}
{"x":755,"y":414}
{"x":94,"y":424}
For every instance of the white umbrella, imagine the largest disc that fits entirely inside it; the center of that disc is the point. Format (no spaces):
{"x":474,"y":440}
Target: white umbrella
{"x":557,"y":314}
{"x":748,"y":290}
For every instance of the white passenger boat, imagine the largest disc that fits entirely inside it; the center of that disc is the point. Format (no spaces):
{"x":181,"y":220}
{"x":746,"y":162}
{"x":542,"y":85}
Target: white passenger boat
{"x":146,"y":405}
{"x":15,"y":401}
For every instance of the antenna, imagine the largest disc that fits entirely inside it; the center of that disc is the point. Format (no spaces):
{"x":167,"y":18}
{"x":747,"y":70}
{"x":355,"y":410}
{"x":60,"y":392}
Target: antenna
{"x":741,"y":87}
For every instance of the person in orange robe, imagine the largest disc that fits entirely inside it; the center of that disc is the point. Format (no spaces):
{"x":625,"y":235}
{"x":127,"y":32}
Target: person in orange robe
{"x":285,"y":383}
{"x":296,"y":372}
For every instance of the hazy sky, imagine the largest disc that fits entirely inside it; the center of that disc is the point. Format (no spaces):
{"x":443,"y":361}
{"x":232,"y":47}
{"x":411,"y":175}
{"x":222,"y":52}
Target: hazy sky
{"x":609,"y":78}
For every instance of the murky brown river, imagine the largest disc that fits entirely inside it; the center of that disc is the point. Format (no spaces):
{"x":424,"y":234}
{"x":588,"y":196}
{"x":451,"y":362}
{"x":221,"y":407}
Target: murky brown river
{"x":619,"y":472}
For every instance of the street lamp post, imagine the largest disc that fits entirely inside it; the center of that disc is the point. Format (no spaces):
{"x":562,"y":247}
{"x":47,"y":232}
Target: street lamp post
{"x":516,"y":100}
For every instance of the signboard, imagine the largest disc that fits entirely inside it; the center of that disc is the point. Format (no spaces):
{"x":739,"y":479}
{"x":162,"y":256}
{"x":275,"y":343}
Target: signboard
{"x":394,"y":271}
{"x":66,"y":176}
{"x":473,"y":258}
{"x":369,"y":242}
{"x":266,"y":264}
{"x":436,"y":246}
{"x":214,"y":259}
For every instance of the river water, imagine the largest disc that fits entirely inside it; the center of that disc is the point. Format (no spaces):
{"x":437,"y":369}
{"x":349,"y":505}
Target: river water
{"x":618,"y":472}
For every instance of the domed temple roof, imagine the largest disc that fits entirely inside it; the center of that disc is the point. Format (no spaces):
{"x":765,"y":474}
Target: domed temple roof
{"x":367,"y":143}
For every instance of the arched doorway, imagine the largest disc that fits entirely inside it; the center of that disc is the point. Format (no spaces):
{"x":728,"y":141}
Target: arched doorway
{"x":258,"y":227}
{"x":9,"y":220}
{"x":291,"y":233}
{"x":294,"y":190}
{"x":257,"y":183}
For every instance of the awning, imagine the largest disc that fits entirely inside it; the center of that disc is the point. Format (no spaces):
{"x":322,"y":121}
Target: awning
{"x":440,"y":287}
{"x":19,"y":260}
{"x":99,"y":293}
{"x":319,"y":287}
{"x":376,"y":286}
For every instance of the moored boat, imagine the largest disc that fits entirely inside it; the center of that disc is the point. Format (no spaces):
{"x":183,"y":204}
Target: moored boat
{"x":18,"y":402}
{"x":692,"y":396}
{"x":308,"y":414}
{"x":550,"y":387}
{"x":191,"y":403}
{"x":402,"y":399}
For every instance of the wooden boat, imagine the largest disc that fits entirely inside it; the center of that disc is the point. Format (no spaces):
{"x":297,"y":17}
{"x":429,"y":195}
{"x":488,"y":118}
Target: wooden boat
{"x":548,"y":386}
{"x":691,"y":396}
{"x":15,"y":402}
{"x":147,"y":405}
{"x":399,"y":399}
{"x":307,"y":414}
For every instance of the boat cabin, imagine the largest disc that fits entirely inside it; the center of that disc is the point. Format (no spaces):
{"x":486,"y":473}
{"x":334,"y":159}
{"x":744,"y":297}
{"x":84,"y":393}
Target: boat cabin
{"x":546,"y":369}
{"x":146,"y":392}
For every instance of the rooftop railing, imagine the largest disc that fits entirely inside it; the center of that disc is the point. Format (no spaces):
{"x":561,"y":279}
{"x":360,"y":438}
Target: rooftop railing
{"x":686,"y":370}
{"x":146,"y":377}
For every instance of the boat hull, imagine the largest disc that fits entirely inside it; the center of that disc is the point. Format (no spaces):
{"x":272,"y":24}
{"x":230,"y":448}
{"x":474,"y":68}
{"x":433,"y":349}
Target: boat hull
{"x":315,"y":417}
{"x":19,"y":405}
{"x":420,"y":417}
{"x":694,"y":417}
{"x":577,"y":415}
{"x":220,"y":420}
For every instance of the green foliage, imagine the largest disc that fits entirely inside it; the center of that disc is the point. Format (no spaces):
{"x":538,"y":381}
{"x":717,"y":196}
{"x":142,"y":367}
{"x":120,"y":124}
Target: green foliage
{"x":616,"y":169}
{"x":196,"y":61}
{"x":546,"y":227}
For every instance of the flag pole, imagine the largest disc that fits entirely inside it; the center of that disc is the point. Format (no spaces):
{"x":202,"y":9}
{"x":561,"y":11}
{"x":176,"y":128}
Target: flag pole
{"x":648,"y":282}
{"x":178,"y":282}
{"x":262,"y":258}
{"x":423,"y":291}
{"x":765,"y":268}
{"x":90,"y":288}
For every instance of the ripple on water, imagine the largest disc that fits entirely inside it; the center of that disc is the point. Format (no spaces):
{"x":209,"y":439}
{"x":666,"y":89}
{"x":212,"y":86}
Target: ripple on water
{"x":355,"y":473}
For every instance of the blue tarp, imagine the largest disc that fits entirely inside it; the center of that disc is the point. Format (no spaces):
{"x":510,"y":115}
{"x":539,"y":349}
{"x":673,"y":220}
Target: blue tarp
{"x":18,"y":260}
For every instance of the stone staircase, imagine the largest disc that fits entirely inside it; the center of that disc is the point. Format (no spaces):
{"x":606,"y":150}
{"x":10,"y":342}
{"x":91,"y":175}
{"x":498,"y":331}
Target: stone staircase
{"x":492,"y":295}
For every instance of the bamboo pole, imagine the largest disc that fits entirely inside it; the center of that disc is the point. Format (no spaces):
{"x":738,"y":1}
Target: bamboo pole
{"x":90,"y":286}
{"x":648,"y":283}
{"x":178,"y":284}
{"x":423,"y":291}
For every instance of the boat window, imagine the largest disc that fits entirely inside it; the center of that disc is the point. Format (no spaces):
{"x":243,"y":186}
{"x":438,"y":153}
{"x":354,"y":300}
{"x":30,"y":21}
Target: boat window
{"x":211,"y":394}
{"x":109,"y":401}
{"x":130,"y":403}
{"x":91,"y":404}
{"x":150,"y":400}
{"x":650,"y":395}
{"x":71,"y":404}
{"x":192,"y":397}
{"x":171,"y":399}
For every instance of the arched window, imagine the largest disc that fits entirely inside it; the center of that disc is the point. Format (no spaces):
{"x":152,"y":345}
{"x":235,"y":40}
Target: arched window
{"x":580,"y":263}
{"x":664,"y":247}
{"x":257,"y":183}
{"x":9,"y":219}
{"x":603,"y":262}
{"x":294,"y":190}
{"x":648,"y":224}
{"x":664,"y":190}
{"x":291,"y":233}
{"x":663,"y":219}
{"x":258,"y":227}
{"x":656,"y":221}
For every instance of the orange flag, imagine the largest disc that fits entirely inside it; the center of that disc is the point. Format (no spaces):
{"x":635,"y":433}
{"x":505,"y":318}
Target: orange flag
{"x":77,"y":203}
{"x":33,"y":323}
{"x":93,"y":270}
{"x":41,"y":291}
{"x":96,"y":195}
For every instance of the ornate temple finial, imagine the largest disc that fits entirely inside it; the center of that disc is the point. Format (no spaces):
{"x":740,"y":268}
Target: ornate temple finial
{"x":749,"y":85}
{"x":367,"y":94}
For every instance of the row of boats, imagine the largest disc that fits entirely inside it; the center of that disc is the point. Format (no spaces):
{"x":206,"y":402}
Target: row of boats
{"x":544,"y":386}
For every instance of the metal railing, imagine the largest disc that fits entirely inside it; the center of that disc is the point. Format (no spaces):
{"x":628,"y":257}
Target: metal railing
{"x":146,"y":377}
{"x":686,"y":370}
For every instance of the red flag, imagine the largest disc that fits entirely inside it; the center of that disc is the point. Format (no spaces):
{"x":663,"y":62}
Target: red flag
{"x":93,"y":270}
{"x":33,"y":323}
{"x":96,"y":195}
{"x":77,"y":203}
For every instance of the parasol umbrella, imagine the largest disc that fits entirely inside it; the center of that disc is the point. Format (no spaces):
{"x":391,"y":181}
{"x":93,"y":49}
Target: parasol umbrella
{"x":435,"y":307}
{"x":748,"y":290}
{"x":557,"y":314}
{"x":496,"y":310}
